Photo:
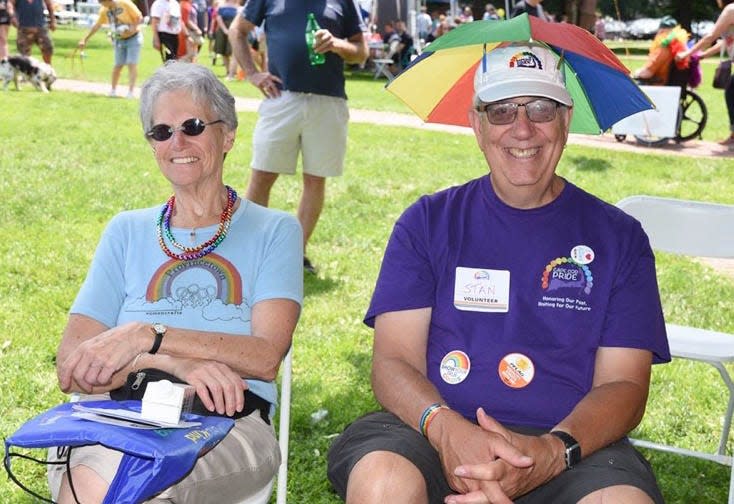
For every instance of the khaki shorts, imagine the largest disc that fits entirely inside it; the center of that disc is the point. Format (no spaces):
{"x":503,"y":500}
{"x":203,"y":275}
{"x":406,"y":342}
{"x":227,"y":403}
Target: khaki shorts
{"x":238,"y":467}
{"x":314,"y":125}
{"x":29,"y":36}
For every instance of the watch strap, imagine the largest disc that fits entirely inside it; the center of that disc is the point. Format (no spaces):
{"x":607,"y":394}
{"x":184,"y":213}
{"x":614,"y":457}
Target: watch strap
{"x":158,"y":339}
{"x":573,"y":449}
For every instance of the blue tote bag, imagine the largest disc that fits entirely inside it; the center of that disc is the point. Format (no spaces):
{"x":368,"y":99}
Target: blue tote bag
{"x":152,"y":460}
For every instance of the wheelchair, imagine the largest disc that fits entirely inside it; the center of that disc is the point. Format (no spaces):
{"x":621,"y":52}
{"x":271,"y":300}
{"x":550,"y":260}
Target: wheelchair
{"x":692,"y":112}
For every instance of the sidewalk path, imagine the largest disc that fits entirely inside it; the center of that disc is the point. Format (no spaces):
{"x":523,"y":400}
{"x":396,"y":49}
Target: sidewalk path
{"x":695,"y":148}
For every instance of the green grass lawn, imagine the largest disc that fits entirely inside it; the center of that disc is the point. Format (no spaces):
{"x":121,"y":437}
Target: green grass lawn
{"x":71,"y":161}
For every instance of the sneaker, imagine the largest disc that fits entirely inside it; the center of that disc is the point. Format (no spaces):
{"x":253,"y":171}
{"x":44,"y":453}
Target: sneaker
{"x":308,"y":267}
{"x":112,"y":93}
{"x":130,"y":95}
{"x":729,"y":142}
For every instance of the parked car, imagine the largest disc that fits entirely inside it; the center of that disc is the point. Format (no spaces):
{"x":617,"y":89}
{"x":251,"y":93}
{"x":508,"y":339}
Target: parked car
{"x":643,"y":28}
{"x":701,"y":28}
{"x":615,"y":29}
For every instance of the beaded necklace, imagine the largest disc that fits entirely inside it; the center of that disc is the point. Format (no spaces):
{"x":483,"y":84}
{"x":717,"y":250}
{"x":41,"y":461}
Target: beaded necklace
{"x":163,"y":225}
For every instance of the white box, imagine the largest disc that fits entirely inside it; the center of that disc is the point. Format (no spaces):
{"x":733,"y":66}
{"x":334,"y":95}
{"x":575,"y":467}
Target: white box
{"x":164,"y":401}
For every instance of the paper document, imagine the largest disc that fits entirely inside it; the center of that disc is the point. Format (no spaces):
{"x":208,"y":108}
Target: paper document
{"x":125,"y":418}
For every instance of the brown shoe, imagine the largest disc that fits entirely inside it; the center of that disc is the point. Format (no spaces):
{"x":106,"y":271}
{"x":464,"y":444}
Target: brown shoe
{"x":729,"y":142}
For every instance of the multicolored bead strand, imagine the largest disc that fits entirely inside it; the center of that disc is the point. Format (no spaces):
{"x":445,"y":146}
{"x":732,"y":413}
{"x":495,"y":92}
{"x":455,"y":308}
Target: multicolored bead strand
{"x":163,"y":226}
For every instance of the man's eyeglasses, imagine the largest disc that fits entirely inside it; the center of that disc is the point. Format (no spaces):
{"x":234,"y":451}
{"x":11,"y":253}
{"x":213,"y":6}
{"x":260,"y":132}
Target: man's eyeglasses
{"x":539,"y":111}
{"x":190,"y":127}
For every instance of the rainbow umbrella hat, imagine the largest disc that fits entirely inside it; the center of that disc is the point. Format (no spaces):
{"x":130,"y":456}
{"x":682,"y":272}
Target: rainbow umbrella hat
{"x":439,"y":85}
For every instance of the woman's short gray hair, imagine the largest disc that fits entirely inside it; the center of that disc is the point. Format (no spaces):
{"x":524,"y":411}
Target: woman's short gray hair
{"x":199,"y":81}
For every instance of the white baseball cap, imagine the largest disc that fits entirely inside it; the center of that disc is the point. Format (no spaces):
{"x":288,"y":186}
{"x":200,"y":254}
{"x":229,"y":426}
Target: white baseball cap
{"x":523,"y":69}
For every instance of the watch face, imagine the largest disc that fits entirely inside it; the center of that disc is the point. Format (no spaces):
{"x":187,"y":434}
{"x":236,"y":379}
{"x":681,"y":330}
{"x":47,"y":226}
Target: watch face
{"x":159,"y":328}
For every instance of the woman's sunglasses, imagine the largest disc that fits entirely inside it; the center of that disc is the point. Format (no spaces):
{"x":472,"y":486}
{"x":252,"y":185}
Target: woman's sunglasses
{"x":190,"y":127}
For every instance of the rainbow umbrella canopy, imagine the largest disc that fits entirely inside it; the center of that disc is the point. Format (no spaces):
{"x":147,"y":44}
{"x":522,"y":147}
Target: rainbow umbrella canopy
{"x":439,"y":84}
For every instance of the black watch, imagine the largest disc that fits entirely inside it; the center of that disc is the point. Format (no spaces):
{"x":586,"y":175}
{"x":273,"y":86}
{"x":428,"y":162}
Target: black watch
{"x":573,"y":449}
{"x":159,"y":330}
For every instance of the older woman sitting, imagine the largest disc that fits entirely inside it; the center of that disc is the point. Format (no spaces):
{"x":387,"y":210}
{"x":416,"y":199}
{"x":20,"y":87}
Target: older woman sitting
{"x":205,"y":286}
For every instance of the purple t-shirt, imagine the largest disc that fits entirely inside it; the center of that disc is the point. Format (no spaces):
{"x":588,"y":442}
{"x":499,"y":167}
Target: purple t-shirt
{"x":521,"y":299}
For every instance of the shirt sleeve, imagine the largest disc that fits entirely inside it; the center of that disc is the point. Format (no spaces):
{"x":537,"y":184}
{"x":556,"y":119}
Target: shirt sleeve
{"x":634,"y":317}
{"x":254,"y":11}
{"x":102,"y":293}
{"x":281,"y":272}
{"x":406,"y":280}
{"x":353,"y":22}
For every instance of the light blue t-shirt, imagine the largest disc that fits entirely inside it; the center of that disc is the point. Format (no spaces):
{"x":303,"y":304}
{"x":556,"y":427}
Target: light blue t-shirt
{"x":131,"y":279}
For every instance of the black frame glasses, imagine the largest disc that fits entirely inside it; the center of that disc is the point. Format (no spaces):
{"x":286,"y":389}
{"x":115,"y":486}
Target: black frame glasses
{"x":190,"y":127}
{"x":541,"y":110}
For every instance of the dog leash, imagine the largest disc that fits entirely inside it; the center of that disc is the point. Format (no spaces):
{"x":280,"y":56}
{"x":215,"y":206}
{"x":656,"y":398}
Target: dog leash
{"x":73,"y":57}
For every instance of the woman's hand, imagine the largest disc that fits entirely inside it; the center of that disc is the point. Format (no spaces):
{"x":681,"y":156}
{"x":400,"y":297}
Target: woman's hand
{"x":94,"y":361}
{"x":218,"y":387}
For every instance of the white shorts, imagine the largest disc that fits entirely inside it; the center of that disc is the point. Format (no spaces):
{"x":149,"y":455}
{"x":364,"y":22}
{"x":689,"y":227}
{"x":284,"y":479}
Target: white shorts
{"x":239,"y":466}
{"x":315,"y":125}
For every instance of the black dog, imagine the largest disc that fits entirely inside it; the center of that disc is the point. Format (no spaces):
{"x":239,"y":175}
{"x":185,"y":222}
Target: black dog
{"x":38,"y":73}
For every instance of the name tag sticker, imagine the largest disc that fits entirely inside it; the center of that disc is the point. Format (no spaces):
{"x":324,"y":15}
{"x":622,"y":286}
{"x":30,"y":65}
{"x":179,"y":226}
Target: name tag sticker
{"x":482,"y":290}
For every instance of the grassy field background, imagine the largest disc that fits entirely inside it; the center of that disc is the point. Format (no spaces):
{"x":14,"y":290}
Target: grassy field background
{"x":71,"y":161}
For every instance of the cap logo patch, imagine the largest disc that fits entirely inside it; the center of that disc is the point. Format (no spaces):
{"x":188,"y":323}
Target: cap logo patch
{"x":525,"y":59}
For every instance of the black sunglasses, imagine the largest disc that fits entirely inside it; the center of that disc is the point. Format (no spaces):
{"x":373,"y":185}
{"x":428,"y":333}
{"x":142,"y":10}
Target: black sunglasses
{"x":190,"y":127}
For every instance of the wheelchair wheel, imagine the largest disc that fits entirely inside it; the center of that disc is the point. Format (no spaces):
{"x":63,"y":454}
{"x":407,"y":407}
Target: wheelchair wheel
{"x":692,"y":116}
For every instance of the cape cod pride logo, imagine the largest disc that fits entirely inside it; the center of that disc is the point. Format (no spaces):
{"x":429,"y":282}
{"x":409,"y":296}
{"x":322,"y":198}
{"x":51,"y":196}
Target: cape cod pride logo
{"x":455,"y":367}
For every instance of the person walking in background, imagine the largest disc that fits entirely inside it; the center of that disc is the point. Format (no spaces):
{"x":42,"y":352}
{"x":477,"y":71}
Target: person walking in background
{"x":423,"y":23}
{"x":405,"y":48}
{"x":212,"y":28}
{"x":6,"y":14}
{"x":530,"y":7}
{"x":467,"y":16}
{"x":189,"y":40}
{"x":165,"y":23}
{"x":30,"y":21}
{"x":226,"y":12}
{"x":123,"y":18}
{"x":305,"y":109}
{"x":723,"y":36}
{"x":202,"y":16}
{"x":600,"y":30}
{"x":490,"y":13}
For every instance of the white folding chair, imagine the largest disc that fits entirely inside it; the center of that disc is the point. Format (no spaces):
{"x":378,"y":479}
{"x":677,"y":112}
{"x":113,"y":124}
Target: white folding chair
{"x":382,"y":65}
{"x":696,"y":229}
{"x":284,"y":418}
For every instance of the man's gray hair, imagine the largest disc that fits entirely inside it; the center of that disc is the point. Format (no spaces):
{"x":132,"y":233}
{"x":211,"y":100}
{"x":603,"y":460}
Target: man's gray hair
{"x":205,"y":89}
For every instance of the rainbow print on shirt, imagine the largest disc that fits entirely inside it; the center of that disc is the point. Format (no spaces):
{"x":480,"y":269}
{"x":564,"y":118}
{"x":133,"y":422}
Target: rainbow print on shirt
{"x":210,"y":286}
